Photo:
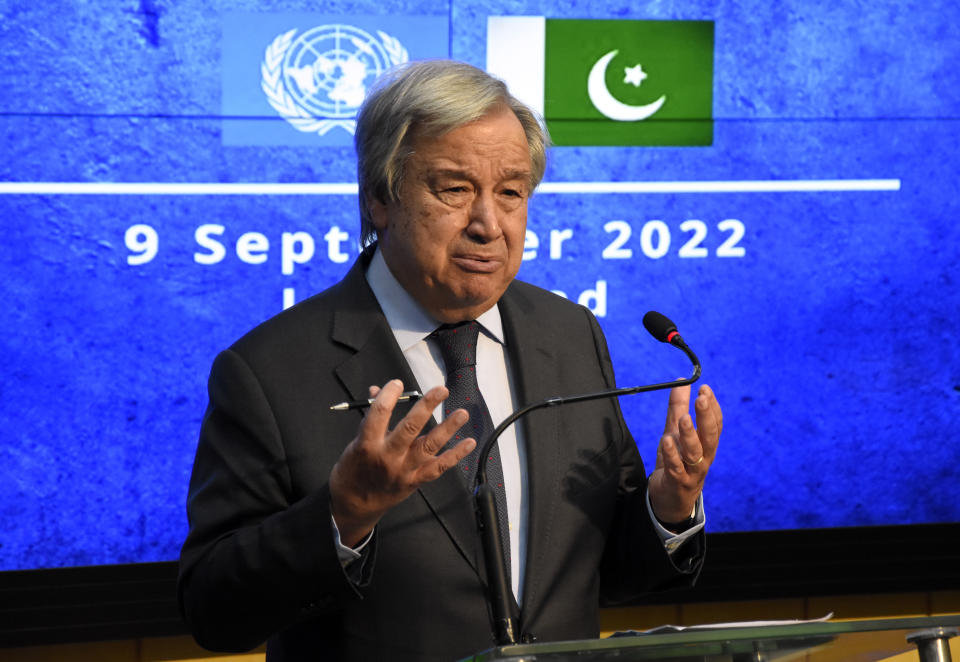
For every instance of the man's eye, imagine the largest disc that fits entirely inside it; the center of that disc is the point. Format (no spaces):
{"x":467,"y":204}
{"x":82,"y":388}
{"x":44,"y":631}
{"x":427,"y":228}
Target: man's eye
{"x":453,"y":195}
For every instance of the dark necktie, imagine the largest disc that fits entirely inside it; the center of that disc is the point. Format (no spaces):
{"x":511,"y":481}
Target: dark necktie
{"x":458,"y":347}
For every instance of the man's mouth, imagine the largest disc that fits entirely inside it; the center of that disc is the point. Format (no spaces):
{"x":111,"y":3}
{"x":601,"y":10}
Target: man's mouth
{"x":484,"y":264}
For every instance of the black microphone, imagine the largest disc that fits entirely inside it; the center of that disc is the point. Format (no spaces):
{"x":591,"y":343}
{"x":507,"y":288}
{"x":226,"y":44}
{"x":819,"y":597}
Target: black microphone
{"x":659,"y":326}
{"x":501,"y":595}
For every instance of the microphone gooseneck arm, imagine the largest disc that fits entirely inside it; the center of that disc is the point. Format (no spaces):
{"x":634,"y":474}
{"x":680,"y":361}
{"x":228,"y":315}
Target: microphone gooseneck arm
{"x":501,"y":595}
{"x":677,"y":341}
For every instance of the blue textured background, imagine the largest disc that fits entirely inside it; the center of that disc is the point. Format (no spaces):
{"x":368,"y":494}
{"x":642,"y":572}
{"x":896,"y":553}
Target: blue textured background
{"x":832,"y":343}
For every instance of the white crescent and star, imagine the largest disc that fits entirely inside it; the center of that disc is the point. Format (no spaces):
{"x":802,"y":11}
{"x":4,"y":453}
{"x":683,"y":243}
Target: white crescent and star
{"x":606,"y":103}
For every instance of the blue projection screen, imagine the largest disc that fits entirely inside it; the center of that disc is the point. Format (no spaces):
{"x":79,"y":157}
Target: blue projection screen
{"x":172,"y":174}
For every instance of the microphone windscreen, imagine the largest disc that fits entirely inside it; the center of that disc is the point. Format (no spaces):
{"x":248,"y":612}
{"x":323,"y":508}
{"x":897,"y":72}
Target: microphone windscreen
{"x":659,"y":326}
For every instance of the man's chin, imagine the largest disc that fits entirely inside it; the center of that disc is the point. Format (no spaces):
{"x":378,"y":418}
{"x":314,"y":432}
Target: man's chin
{"x":467,"y":305}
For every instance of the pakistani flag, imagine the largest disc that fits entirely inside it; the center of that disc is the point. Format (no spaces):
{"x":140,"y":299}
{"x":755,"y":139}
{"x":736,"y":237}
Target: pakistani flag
{"x":609,"y":82}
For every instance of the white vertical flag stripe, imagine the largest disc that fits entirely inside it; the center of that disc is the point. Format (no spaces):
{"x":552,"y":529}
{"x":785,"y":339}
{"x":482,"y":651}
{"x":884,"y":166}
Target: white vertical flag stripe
{"x":516,"y":52}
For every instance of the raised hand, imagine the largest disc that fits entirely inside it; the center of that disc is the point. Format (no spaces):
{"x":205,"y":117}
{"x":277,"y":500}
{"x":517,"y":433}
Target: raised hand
{"x":685,"y":453}
{"x":381,"y":467}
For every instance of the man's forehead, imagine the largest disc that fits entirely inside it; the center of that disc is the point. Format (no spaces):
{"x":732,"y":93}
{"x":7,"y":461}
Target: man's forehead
{"x":436,"y":170}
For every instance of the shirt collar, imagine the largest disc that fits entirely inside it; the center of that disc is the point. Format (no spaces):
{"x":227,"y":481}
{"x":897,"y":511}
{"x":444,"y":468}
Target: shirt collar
{"x":408,"y":320}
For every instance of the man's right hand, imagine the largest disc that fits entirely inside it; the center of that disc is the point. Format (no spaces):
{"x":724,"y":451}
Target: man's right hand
{"x":381,"y":467}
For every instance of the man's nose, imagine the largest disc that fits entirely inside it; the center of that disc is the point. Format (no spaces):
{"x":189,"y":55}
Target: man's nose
{"x":484,"y":218}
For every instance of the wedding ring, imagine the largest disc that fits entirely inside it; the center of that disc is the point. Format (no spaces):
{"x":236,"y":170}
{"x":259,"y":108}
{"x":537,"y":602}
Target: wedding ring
{"x":692,"y":464}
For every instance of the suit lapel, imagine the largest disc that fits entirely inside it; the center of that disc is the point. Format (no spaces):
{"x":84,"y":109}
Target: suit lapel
{"x":535,"y":373}
{"x":360,"y":325}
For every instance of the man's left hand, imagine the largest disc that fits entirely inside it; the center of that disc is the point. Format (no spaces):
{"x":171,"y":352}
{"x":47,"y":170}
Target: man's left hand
{"x":685,"y":453}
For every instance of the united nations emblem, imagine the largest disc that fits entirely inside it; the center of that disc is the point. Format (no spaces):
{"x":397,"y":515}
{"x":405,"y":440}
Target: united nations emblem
{"x":318,"y":80}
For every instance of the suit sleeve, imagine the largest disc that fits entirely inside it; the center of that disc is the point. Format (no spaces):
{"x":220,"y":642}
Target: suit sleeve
{"x":257,"y":559}
{"x":635,"y":559}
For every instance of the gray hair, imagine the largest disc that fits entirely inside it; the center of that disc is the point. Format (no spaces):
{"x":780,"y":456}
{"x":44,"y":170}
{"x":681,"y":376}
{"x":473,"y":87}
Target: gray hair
{"x":431,"y":97}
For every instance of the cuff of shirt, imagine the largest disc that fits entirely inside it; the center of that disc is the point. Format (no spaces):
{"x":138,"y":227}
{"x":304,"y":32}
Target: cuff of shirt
{"x":348,"y":555}
{"x":672,"y":541}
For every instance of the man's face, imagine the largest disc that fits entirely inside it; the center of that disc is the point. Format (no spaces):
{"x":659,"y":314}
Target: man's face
{"x":454,"y":239}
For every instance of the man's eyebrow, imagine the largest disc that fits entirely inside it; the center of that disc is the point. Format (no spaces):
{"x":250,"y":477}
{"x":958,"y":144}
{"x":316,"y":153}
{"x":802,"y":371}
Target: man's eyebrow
{"x":517,"y":173}
{"x":448,"y":172}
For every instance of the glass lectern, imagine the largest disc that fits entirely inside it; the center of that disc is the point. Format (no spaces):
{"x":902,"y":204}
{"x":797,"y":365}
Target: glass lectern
{"x":810,"y":641}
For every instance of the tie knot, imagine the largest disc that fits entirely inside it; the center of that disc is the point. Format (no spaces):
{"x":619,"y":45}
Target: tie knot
{"x":457,"y":344}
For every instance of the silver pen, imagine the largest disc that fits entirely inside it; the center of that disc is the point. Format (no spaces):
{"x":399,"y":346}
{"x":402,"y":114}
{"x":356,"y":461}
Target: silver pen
{"x":360,"y":404}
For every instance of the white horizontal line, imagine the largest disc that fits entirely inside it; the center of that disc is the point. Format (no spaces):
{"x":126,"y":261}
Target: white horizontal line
{"x":175,"y":188}
{"x":743,"y":186}
{"x":346,"y":188}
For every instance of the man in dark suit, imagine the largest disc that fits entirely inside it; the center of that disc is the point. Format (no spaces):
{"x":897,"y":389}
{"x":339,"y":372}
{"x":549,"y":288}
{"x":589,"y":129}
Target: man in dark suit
{"x":341,"y":536}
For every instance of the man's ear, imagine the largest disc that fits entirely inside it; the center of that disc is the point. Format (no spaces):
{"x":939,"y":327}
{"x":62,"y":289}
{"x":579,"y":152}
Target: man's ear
{"x":378,"y":212}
